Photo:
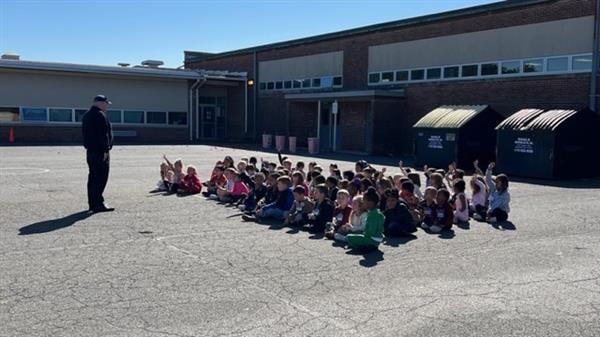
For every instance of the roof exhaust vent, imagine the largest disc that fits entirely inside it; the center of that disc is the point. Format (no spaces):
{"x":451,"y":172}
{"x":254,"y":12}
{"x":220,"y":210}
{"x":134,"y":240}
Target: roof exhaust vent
{"x":10,"y":56}
{"x":124,"y":65}
{"x":152,"y":63}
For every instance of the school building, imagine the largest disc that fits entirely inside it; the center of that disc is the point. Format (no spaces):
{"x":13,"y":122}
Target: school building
{"x":509,"y":55}
{"x":43,"y":102}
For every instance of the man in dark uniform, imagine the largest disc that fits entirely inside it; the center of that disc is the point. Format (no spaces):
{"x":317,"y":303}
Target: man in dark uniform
{"x":98,"y":141}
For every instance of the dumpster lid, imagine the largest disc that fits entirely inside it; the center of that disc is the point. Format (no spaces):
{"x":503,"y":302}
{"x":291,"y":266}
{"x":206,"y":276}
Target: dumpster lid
{"x":551,"y":120}
{"x":450,"y":116}
{"x":519,"y":120}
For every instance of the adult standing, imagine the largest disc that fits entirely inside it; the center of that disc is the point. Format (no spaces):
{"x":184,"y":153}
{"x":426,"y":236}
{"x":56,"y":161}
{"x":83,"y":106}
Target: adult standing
{"x":98,"y":141}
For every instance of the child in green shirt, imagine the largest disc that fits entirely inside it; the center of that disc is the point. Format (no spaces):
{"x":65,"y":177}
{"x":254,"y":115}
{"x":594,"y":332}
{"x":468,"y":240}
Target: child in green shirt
{"x":372,"y":236}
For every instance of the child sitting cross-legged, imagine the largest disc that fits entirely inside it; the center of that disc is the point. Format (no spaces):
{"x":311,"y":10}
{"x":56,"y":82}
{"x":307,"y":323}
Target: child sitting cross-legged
{"x":178,"y":175}
{"x":300,"y":209}
{"x":428,"y":207}
{"x":217,"y":180}
{"x":280,"y":208}
{"x":341,"y":214}
{"x":358,"y":218}
{"x":190,"y":184}
{"x":499,"y":197}
{"x":238,"y":190}
{"x":461,"y":209}
{"x":444,"y":214}
{"x":323,"y":212}
{"x":372,"y":235}
{"x":398,"y":219}
{"x":256,"y":195}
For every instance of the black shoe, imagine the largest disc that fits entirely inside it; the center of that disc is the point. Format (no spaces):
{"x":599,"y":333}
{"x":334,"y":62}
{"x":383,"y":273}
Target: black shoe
{"x":102,"y":208}
{"x":249,"y":218}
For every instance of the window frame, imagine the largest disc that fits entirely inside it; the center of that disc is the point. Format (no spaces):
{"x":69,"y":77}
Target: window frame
{"x":61,"y":108}
{"x":22,"y":115}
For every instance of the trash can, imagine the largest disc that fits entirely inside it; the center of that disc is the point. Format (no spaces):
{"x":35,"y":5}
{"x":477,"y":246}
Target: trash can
{"x":266,"y":141}
{"x":313,"y":145}
{"x":454,"y":133}
{"x":280,"y":143}
{"x":548,"y":144}
{"x":292,"y":144}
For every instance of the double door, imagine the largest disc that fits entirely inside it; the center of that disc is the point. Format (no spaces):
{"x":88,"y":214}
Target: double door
{"x":210,"y":122}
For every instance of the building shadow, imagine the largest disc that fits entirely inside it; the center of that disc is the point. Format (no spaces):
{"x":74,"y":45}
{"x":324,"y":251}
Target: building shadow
{"x":54,"y":224}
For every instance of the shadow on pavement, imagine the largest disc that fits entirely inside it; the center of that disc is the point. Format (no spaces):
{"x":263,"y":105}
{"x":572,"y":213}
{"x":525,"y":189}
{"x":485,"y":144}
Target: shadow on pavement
{"x":370,"y":259}
{"x":54,"y":224}
{"x":397,"y":241}
{"x":506,"y":226}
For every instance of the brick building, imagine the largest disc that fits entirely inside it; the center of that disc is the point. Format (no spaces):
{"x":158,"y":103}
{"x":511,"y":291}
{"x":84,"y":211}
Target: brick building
{"x":510,"y":55}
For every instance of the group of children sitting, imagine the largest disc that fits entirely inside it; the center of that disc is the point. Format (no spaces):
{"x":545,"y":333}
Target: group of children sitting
{"x":358,"y":207}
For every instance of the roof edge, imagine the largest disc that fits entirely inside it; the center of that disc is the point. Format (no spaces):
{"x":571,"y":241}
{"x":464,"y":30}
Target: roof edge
{"x":429,"y":18}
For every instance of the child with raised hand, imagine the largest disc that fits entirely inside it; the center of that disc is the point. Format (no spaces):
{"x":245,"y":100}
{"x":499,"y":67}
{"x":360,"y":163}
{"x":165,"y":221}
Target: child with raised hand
{"x":358,"y":218}
{"x":461,"y":208}
{"x":300,"y":209}
{"x":190,"y":184}
{"x":178,"y":174}
{"x":341,"y":214}
{"x":322,"y":213}
{"x":398,"y":219}
{"x":444,"y":214}
{"x":372,"y":235}
{"x":477,"y":203}
{"x":428,"y":208}
{"x":280,"y":208}
{"x":499,"y":198}
{"x":166,"y":178}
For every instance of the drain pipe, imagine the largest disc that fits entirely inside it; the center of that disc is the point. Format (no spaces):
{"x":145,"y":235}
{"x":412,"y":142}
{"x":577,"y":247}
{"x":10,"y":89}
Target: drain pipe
{"x":594,"y":80}
{"x":199,"y":82}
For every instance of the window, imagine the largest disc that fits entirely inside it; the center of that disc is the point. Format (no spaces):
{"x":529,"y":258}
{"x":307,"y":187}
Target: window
{"x":416,"y":75}
{"x":533,"y":66}
{"x":114,"y":116}
{"x":512,"y":67}
{"x":470,"y":70}
{"x":207,"y":100}
{"x":582,"y":62}
{"x":489,"y":69}
{"x":177,"y":118}
{"x":262,"y":86}
{"x":316,"y":82}
{"x":60,"y":115}
{"x":326,"y":82}
{"x":434,"y":73}
{"x":374,"y":78}
{"x":306,"y":83}
{"x":388,"y":76}
{"x":134,"y":117}
{"x":557,"y":64}
{"x":156,"y":117}
{"x":297,"y":84}
{"x":9,"y":114}
{"x":337,"y":81}
{"x":402,"y":75}
{"x":279,"y":85}
{"x":451,"y":72}
{"x":287,"y":84}
{"x":35,"y":114}
{"x":270,"y":86}
{"x":79,"y":114}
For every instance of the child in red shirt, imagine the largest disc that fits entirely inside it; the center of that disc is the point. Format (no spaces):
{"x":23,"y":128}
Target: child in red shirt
{"x":190,"y":184}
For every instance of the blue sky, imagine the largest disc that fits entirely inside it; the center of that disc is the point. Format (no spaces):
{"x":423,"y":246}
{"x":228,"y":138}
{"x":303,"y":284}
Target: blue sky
{"x":110,"y":31}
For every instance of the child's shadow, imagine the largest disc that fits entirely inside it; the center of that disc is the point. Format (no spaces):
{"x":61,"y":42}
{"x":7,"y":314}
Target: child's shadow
{"x":505,"y":226}
{"x":466,"y":225}
{"x":370,"y":258}
{"x":398,"y":240}
{"x":447,"y":234}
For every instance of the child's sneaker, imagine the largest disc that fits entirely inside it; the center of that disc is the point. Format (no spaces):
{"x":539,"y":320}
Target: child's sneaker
{"x":242,"y":207}
{"x":206,"y":194}
{"x":492,"y":219}
{"x":435,"y":229}
{"x":477,"y":217}
{"x":249,"y":218}
{"x":213,"y":197}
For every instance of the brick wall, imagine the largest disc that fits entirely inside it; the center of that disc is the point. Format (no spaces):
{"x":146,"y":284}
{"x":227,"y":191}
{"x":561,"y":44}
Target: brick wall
{"x":352,"y":125}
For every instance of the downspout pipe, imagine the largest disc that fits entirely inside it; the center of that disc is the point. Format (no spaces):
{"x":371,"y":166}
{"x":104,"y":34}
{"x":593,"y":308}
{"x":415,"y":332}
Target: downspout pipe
{"x":595,"y":62}
{"x":197,"y":84}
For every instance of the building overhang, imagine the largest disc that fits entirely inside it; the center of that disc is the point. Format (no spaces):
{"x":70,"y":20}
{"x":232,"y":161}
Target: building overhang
{"x":346,"y":96}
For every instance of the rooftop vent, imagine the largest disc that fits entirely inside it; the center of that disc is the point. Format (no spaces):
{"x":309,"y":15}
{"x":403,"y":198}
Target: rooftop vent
{"x":124,"y":65}
{"x":152,"y":63}
{"x":10,"y":56}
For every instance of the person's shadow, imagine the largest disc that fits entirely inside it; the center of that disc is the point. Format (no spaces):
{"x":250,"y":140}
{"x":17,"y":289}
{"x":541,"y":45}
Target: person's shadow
{"x":370,"y":257}
{"x":54,"y":224}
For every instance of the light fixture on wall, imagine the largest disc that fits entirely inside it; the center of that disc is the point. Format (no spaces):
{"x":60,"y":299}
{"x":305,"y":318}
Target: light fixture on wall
{"x":250,"y":82}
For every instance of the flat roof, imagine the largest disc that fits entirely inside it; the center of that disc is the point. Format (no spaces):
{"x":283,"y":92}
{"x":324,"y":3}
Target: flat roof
{"x":194,"y":56}
{"x":182,"y":74}
{"x":345,"y":95}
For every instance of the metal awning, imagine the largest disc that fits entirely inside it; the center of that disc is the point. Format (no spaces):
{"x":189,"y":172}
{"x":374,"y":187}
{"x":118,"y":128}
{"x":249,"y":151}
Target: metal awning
{"x":352,"y":95}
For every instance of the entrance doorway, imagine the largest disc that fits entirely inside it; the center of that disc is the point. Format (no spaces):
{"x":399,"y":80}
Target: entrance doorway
{"x":327,"y":128}
{"x":211,"y":122}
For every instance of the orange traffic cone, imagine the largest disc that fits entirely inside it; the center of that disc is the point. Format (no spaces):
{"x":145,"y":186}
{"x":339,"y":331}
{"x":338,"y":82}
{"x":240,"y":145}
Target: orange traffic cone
{"x":11,"y":136}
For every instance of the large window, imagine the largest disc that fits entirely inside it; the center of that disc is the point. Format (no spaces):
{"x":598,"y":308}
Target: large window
{"x":434,"y":73}
{"x":306,"y":83}
{"x":417,"y":75}
{"x":60,"y":115}
{"x":262,"y":86}
{"x":374,"y":78}
{"x":489,"y":69}
{"x":133,"y":117}
{"x":35,"y":114}
{"x":297,"y":84}
{"x":337,"y":81}
{"x":557,"y":64}
{"x":387,"y":76}
{"x":177,"y":118}
{"x":316,"y":82}
{"x":583,"y":62}
{"x":270,"y":85}
{"x":470,"y":70}
{"x":79,"y":114}
{"x":156,"y":117}
{"x":402,"y":75}
{"x":114,"y":116}
{"x":279,"y":85}
{"x":511,"y":67}
{"x":9,"y":114}
{"x":533,"y":66}
{"x":451,"y":72}
{"x":287,"y":85}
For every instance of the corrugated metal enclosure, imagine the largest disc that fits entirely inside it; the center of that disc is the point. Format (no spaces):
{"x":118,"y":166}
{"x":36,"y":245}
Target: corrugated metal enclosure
{"x":456,"y":133}
{"x":549,"y":144}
